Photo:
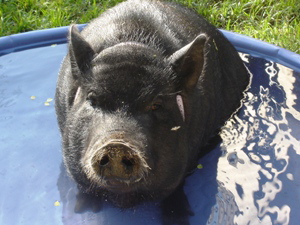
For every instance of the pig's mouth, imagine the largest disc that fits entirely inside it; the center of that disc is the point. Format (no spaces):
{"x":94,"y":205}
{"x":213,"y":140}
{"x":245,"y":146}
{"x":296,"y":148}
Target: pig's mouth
{"x":121,"y":186}
{"x":117,"y":166}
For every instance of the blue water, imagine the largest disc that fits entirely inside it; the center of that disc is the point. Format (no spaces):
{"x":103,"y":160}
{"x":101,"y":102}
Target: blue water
{"x":252,"y":177}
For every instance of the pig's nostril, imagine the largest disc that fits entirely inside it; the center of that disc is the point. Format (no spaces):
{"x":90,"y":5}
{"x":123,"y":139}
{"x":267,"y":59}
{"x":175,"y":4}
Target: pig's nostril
{"x":128,"y":162}
{"x":104,"y":161}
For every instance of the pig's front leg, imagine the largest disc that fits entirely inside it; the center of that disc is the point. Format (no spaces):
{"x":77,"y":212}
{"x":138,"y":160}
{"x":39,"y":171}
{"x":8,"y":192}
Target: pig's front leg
{"x":88,"y":202}
{"x":176,"y":208}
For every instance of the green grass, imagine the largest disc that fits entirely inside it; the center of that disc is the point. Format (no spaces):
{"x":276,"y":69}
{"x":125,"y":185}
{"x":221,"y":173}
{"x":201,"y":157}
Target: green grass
{"x":273,"y":21}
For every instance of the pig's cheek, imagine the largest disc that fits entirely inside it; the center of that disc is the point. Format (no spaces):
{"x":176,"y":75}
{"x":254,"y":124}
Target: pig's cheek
{"x":180,"y":106}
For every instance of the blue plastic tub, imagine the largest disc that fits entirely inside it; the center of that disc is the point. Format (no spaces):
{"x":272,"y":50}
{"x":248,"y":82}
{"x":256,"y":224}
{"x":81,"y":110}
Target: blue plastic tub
{"x":252,"y":177}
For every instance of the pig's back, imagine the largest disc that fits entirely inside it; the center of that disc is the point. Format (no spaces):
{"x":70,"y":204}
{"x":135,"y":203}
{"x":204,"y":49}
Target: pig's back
{"x":162,"y":25}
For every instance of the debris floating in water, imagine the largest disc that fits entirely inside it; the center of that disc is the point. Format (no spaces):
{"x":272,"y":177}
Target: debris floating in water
{"x":200,"y":166}
{"x":57,"y":203}
{"x":33,"y":97}
{"x":47,"y":103}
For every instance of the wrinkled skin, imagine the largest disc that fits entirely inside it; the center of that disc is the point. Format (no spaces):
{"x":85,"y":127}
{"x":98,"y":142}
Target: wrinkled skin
{"x":142,"y":89}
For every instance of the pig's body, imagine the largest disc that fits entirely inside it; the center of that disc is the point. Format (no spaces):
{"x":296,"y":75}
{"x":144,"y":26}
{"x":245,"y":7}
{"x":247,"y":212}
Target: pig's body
{"x":143,"y":88}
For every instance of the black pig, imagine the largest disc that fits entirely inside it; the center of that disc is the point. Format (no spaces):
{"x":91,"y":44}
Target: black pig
{"x":142,"y":89}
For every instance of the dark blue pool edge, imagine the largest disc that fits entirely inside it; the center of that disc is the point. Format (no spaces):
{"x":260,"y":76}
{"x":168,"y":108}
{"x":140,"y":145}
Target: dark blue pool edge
{"x":242,"y":43}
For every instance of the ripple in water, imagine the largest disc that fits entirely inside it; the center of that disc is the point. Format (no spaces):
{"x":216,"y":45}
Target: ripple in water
{"x":257,"y":171}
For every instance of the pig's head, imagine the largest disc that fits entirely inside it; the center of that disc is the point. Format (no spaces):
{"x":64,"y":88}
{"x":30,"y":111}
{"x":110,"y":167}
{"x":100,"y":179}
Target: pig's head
{"x":126,"y":126}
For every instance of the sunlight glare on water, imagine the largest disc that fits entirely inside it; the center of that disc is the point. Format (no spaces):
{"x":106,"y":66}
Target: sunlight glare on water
{"x":257,"y":147}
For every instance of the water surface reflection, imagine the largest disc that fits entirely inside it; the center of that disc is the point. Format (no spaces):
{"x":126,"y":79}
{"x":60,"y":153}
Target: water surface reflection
{"x":258,"y":175}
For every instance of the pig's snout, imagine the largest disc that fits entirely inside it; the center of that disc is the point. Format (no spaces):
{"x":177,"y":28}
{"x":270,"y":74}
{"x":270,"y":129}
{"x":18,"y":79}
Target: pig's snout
{"x":119,"y":163}
{"x":118,"y":160}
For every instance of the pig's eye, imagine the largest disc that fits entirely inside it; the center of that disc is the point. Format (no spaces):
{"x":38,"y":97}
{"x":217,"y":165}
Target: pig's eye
{"x":91,"y":98}
{"x":155,"y":106}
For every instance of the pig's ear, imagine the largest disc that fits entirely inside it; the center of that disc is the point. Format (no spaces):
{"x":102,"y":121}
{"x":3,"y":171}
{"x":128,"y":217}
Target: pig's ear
{"x":80,"y":51}
{"x":188,"y":62}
